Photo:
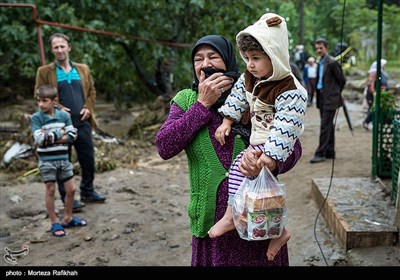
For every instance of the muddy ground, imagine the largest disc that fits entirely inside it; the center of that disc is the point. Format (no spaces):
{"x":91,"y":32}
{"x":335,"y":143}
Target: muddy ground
{"x":144,"y":220}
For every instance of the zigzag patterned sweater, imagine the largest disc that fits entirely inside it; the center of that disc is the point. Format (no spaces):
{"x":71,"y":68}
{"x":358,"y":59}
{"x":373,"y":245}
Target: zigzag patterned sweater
{"x":277,"y":110}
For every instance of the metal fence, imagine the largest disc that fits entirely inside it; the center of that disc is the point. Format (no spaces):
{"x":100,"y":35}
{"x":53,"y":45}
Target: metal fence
{"x":395,"y":157}
{"x":385,"y":142}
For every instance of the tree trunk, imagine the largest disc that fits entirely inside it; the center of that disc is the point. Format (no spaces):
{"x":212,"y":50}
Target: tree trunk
{"x":301,"y":21}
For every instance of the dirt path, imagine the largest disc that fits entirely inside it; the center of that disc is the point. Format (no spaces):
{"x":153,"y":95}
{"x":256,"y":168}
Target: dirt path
{"x":144,"y":220}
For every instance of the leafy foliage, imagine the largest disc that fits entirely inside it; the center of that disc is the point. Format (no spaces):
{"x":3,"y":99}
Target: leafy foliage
{"x":387,"y":101}
{"x":124,"y":67}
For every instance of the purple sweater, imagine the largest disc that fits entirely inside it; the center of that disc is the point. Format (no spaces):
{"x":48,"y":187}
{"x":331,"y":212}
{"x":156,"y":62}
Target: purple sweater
{"x":229,"y":249}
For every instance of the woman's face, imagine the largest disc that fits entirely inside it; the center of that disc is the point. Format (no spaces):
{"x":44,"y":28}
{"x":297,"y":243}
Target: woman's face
{"x":207,"y":56}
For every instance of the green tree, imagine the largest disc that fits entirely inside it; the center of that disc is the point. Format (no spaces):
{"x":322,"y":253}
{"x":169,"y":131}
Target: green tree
{"x":135,"y":67}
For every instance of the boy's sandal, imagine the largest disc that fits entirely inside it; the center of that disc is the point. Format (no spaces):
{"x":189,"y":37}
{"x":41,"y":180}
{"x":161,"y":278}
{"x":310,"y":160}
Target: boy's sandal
{"x":57,"y":227}
{"x":75,"y":222}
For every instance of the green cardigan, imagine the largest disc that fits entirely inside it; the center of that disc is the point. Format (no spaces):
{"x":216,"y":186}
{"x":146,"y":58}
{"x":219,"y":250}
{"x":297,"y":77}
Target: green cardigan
{"x":205,"y":172}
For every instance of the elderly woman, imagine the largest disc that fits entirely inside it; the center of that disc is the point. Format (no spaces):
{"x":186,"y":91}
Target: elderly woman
{"x":190,"y":126}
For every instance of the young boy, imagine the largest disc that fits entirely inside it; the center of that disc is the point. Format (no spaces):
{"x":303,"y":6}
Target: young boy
{"x":277,"y":103}
{"x":52,"y":130}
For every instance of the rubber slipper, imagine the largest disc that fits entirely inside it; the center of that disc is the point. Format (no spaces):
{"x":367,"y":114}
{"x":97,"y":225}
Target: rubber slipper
{"x":57,"y":227}
{"x":75,"y":222}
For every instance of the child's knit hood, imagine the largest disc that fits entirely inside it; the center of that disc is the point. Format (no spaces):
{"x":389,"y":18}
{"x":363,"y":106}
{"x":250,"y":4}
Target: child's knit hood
{"x":271,"y":32}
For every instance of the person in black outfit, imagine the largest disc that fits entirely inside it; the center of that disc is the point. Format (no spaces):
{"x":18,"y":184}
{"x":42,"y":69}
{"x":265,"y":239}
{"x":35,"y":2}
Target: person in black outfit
{"x":330,"y":83}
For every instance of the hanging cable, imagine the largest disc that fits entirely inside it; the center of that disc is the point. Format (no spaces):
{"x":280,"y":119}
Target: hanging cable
{"x":333,"y":160}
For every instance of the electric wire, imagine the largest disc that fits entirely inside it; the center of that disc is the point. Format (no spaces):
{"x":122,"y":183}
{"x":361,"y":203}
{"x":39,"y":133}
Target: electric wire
{"x":334,"y":155}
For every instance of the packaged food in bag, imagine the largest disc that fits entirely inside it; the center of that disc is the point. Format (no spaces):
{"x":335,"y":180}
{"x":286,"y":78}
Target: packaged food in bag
{"x":259,"y":209}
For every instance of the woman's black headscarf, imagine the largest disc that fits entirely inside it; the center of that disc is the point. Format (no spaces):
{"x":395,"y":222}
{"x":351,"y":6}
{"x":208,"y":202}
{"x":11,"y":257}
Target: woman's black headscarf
{"x":224,"y":47}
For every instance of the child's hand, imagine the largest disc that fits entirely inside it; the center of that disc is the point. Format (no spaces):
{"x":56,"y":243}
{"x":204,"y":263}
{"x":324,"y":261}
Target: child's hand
{"x":48,"y":140}
{"x":265,"y":160}
{"x":222,"y":131}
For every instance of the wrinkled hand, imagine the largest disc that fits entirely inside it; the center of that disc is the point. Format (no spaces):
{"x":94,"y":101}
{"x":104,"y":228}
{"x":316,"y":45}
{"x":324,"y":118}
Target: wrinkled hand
{"x":266,"y":161}
{"x":85,"y":113}
{"x":210,"y":89}
{"x":248,"y":164}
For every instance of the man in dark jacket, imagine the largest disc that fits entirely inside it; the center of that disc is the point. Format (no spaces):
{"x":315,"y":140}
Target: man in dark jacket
{"x":330,"y":83}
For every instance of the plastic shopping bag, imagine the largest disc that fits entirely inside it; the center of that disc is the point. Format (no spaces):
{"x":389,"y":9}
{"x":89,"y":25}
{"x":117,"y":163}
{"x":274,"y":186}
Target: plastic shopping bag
{"x":259,"y":208}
